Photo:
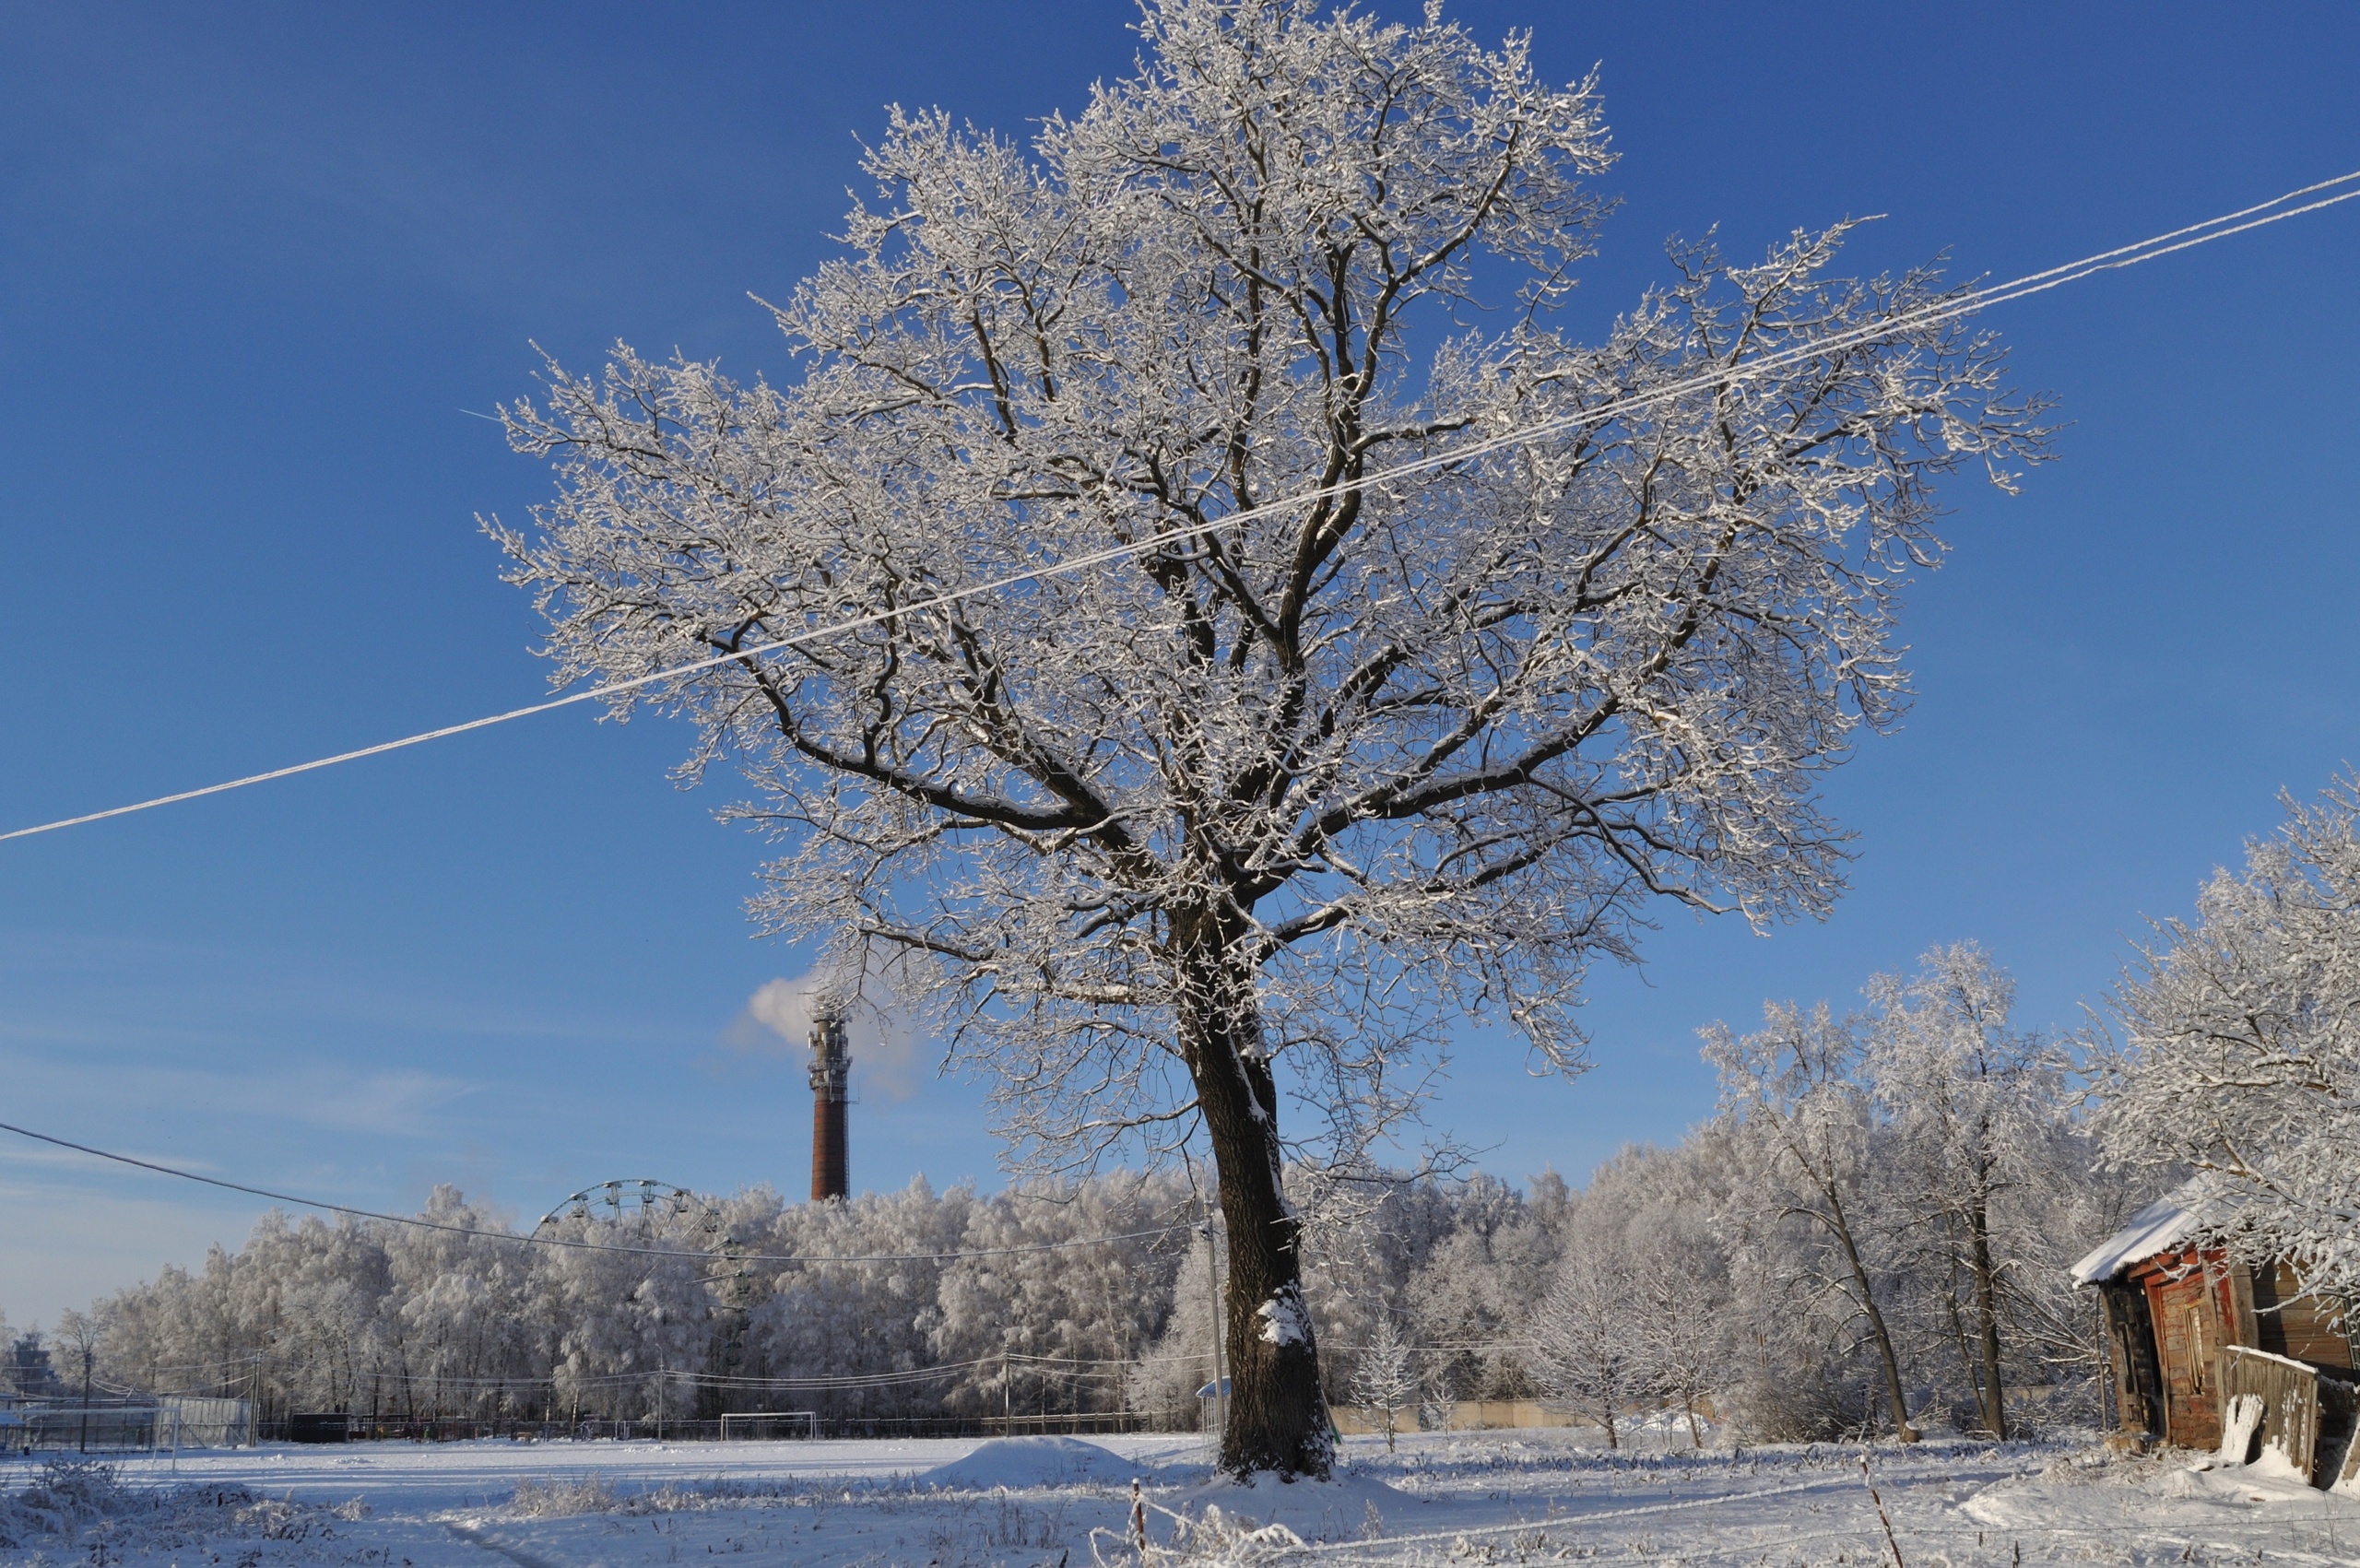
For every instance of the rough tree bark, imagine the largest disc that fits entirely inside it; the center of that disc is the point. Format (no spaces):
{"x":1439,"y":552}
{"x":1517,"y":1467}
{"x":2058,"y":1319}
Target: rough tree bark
{"x":1276,"y":1414}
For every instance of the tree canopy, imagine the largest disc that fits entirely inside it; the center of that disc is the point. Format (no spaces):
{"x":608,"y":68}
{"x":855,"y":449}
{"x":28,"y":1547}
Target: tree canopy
{"x":2239,"y":1051}
{"x":1332,"y":754}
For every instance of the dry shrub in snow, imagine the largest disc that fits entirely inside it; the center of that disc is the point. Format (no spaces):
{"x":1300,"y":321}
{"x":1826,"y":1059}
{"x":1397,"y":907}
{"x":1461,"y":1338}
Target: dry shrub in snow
{"x":565,"y":1497}
{"x":74,"y":1501}
{"x":561,"y":1497}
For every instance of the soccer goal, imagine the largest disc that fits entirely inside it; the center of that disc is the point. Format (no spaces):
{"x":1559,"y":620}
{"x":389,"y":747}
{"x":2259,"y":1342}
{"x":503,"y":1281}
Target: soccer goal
{"x":769,"y":1425}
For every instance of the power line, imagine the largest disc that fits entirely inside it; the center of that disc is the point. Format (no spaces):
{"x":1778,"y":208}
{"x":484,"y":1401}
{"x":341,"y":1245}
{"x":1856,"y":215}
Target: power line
{"x":1071,"y":1369}
{"x":583,"y":1245}
{"x":1967,"y":303}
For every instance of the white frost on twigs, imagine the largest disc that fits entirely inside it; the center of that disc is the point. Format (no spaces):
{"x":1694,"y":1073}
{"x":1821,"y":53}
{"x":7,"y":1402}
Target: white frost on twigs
{"x":2240,"y":1047}
{"x":1309,"y":778}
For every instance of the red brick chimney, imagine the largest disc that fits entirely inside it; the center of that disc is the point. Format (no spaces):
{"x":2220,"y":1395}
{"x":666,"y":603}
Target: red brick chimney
{"x":831,"y":1088}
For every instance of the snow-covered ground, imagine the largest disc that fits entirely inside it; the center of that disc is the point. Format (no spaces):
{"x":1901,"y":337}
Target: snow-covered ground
{"x":1476,"y":1497}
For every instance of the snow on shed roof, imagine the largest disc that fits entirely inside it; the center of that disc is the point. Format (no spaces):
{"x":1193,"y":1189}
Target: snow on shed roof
{"x":2163,"y":1225}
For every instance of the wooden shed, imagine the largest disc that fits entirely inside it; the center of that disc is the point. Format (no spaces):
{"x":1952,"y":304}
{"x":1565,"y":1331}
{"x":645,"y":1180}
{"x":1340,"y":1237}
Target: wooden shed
{"x":2189,"y":1331}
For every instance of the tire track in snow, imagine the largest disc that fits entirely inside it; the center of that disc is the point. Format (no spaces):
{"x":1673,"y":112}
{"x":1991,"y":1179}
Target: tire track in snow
{"x":477,"y":1536}
{"x":1815,"y":1484}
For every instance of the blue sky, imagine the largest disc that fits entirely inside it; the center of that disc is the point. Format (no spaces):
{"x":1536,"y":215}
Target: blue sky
{"x":257,"y":264}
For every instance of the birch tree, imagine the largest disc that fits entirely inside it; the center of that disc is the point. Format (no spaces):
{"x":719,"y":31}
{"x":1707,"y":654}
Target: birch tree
{"x":1325,"y":756}
{"x":1974,"y":1106}
{"x":1792,"y":1098}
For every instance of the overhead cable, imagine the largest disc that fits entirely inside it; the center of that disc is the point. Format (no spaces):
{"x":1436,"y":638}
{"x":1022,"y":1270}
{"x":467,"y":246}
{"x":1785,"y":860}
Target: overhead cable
{"x":577,"y":1245}
{"x":1950,"y":308}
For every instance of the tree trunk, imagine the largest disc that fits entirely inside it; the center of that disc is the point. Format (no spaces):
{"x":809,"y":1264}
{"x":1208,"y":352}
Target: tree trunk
{"x":1967,"y":1364}
{"x":1278,"y":1417}
{"x":1986,"y":1319}
{"x":1891,"y":1363}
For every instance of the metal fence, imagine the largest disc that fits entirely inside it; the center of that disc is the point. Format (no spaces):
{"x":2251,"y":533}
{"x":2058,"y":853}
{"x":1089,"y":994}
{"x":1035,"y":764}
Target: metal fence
{"x":341,"y":1428}
{"x":125,"y":1426}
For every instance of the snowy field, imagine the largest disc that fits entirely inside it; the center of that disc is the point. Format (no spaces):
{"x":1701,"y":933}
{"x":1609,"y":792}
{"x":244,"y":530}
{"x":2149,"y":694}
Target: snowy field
{"x":1476,"y":1497}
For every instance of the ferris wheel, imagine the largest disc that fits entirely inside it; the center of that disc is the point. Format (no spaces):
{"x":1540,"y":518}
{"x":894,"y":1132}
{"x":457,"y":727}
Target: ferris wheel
{"x":651,"y":1202}
{"x":637,"y":1195}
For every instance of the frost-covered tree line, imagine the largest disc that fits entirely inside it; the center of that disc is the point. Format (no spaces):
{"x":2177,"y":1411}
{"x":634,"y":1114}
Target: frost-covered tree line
{"x":396,"y":1321}
{"x":1870,"y":1233}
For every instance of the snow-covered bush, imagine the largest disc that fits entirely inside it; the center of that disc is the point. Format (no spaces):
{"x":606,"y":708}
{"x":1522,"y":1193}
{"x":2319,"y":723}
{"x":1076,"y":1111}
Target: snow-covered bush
{"x":77,"y":1506}
{"x":1386,"y":1378}
{"x":560,"y":1497}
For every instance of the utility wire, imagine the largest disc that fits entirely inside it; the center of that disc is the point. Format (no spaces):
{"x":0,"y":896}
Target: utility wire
{"x":1044,"y":1366}
{"x":1966,"y":302}
{"x":540,"y":1241}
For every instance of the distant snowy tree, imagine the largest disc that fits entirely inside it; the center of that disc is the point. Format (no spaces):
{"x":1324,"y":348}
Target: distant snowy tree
{"x":312,"y":1297}
{"x":1793,"y":1101}
{"x":825,"y":1318}
{"x":1318,"y":761}
{"x":1661,"y":1203}
{"x":1163,"y":1382}
{"x":1441,"y":1402}
{"x":2239,"y":1050}
{"x":75,"y":1341}
{"x":1480,"y":1280}
{"x":1584,"y":1336}
{"x":1064,"y":1325}
{"x":628,"y":1330}
{"x":459,"y":1329}
{"x":1386,"y":1378}
{"x":1682,"y":1328}
{"x":1973,"y":1109}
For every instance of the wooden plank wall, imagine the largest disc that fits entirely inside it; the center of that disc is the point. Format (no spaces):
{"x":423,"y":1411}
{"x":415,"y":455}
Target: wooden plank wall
{"x":2287,"y":1323}
{"x":2290,"y":1395}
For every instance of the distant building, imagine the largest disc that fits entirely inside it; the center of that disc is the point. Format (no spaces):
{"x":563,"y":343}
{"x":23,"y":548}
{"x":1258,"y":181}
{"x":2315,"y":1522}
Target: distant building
{"x":28,"y":1370}
{"x":2189,"y":1333}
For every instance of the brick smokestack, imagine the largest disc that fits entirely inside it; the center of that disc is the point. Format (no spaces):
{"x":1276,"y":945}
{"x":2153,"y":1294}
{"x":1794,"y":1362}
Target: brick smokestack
{"x":831,"y":1088}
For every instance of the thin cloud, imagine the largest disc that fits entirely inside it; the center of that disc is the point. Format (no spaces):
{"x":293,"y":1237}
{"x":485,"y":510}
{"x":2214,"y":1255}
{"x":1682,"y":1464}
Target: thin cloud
{"x":776,"y":1022}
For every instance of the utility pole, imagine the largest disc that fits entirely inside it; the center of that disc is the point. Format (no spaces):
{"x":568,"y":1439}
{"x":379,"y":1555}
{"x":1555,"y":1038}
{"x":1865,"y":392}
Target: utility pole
{"x":1212,"y":1282}
{"x":88,"y":1356}
{"x":662,"y":1372}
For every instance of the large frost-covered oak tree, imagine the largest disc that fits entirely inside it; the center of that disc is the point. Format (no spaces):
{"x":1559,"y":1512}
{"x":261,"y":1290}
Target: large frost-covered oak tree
{"x":1323,"y":760}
